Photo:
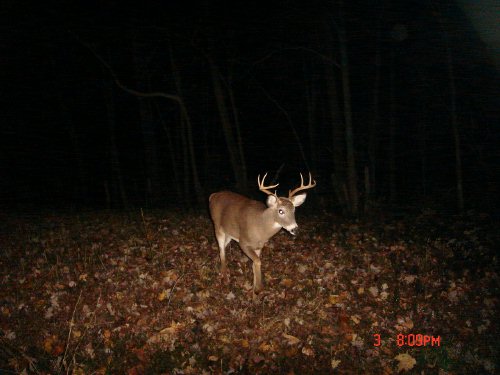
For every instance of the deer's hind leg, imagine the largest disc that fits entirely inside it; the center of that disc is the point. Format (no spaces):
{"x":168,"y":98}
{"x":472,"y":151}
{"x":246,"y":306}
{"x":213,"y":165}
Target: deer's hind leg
{"x":223,"y":240}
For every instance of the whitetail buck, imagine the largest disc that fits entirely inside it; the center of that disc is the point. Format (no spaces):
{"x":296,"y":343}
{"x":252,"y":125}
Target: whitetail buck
{"x":251,"y":223}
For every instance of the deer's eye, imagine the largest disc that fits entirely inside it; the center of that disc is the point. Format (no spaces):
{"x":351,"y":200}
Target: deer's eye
{"x":281,"y":212}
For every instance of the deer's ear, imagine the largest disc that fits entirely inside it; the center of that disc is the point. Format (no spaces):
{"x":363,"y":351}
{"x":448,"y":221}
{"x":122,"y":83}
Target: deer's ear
{"x":298,"y":199}
{"x":272,"y":201}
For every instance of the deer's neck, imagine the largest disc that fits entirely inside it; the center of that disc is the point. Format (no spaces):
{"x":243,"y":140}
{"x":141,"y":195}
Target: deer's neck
{"x":270,"y":226}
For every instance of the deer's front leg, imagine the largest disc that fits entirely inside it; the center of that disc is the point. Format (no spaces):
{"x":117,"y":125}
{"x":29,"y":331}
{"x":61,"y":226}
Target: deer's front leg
{"x":254,"y":255}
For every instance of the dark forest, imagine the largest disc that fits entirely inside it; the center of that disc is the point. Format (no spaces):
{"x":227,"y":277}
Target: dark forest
{"x":120,"y":120}
{"x":113,"y":106}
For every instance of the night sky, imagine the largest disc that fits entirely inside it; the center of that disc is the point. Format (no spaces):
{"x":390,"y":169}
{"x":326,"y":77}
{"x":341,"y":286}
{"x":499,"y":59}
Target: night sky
{"x":71,"y":137}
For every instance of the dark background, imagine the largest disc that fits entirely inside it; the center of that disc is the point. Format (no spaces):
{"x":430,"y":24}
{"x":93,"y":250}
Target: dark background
{"x":72,"y":138}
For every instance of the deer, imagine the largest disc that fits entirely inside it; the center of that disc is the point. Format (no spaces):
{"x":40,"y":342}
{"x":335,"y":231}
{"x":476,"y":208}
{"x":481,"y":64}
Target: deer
{"x":252,"y":224}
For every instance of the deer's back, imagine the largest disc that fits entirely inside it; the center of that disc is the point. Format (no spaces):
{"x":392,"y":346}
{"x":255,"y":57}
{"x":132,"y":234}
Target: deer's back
{"x":228,"y":208}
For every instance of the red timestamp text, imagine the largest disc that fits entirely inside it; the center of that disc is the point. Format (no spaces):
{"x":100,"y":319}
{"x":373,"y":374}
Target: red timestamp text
{"x":411,"y":339}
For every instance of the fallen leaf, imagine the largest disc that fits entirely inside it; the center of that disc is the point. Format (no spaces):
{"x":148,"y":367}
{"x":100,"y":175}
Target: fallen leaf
{"x":335,"y":363}
{"x":136,"y":370}
{"x":328,"y":330}
{"x":308,"y":351}
{"x":302,"y":268}
{"x":5,"y":311}
{"x":10,"y":335}
{"x":48,"y":343}
{"x":170,"y":276}
{"x":110,"y":309}
{"x":265,"y":347}
{"x":408,"y":323}
{"x":344,"y":325}
{"x":166,"y":334}
{"x":356,"y":318}
{"x":333,"y":299}
{"x":162,"y":295}
{"x":141,"y":354}
{"x":375,"y":269}
{"x":373,"y":290}
{"x":291,"y":351}
{"x":58,"y":350}
{"x":406,"y":362}
{"x":292,"y":340}
{"x":106,"y":334}
{"x":257,"y":358}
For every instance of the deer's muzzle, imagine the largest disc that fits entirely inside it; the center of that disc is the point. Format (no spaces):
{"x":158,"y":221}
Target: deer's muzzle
{"x":292,"y":229}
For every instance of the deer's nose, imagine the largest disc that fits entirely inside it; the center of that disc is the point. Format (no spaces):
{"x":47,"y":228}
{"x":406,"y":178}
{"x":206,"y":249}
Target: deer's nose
{"x":292,"y":228}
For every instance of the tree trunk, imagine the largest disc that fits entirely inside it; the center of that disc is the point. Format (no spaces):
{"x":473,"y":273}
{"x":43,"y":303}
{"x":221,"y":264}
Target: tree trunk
{"x":148,"y":127}
{"x":338,"y":177}
{"x":423,"y":149}
{"x":292,"y":128}
{"x":81,"y":188}
{"x":392,"y":134}
{"x":185,"y":163}
{"x":311,"y":96}
{"x":453,"y":114}
{"x":189,"y":132}
{"x":227,"y":127}
{"x":117,"y":187}
{"x":373,"y":139}
{"x":349,"y":137}
{"x":173,"y":156}
{"x":239,"y":139}
{"x":454,"y":127}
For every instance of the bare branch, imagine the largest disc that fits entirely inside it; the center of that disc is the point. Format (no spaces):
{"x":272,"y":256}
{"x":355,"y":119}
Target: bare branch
{"x":157,"y":94}
{"x":312,"y":51}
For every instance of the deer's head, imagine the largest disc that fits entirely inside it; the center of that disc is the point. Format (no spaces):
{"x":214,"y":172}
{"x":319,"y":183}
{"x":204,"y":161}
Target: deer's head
{"x":283,"y":208}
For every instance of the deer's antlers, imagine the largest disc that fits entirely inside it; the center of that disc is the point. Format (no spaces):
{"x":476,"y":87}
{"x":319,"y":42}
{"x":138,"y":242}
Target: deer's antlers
{"x":310,"y":185}
{"x":264,"y":188}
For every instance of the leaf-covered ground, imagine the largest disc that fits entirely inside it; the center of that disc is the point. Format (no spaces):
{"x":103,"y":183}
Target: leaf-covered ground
{"x":141,"y":293}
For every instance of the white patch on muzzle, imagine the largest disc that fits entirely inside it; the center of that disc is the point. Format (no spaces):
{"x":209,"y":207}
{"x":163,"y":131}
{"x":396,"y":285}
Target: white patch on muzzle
{"x":292,"y":229}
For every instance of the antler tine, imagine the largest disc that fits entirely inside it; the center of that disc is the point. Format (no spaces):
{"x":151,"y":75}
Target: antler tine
{"x":310,"y":185}
{"x":264,"y":188}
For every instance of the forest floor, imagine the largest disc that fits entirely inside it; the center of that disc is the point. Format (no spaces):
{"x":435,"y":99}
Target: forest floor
{"x":115,"y":293}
